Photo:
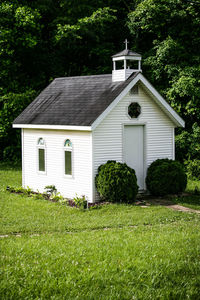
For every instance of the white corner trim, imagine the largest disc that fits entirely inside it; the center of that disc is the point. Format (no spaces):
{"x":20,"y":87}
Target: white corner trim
{"x":54,"y":127}
{"x":173,"y":143}
{"x":23,"y":169}
{"x":157,"y":97}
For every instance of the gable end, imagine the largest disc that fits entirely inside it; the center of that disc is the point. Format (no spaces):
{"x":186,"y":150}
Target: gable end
{"x":160,"y":101}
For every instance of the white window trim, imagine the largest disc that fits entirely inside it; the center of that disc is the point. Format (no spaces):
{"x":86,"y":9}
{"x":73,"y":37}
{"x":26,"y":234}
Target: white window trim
{"x":45,"y":157}
{"x":70,"y":149}
{"x":129,"y":117}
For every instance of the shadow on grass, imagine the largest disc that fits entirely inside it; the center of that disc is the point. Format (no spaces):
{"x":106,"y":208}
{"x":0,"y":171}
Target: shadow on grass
{"x":189,"y":199}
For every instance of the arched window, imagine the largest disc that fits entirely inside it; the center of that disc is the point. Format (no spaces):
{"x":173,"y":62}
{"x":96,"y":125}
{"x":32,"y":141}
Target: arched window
{"x":68,"y":157}
{"x":41,"y":141}
{"x":41,"y":155}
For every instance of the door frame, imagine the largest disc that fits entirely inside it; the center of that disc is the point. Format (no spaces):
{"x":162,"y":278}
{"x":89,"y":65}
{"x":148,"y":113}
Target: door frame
{"x":144,"y":124}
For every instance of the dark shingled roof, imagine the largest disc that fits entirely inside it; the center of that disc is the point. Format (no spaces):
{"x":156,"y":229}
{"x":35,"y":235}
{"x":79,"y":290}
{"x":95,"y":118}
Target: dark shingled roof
{"x":126,"y":52}
{"x":73,"y":101}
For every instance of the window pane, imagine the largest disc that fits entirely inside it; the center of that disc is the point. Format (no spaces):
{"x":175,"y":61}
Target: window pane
{"x":68,"y":162}
{"x":41,"y":160}
{"x":41,"y":141}
{"x":68,"y":143}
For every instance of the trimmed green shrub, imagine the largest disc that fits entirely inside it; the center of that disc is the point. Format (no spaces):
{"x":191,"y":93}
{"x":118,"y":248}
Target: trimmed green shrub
{"x":193,"y":168}
{"x":165,"y":176}
{"x":116,"y":182}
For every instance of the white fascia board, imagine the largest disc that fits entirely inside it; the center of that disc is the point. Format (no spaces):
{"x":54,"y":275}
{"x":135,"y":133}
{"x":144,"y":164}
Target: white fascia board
{"x":157,"y":97}
{"x":127,"y":57}
{"x":114,"y":103}
{"x":53,"y":127}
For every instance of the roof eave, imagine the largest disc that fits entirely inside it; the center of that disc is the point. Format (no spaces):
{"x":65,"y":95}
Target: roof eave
{"x":130,"y":57}
{"x":52,"y":127}
{"x":126,"y":53}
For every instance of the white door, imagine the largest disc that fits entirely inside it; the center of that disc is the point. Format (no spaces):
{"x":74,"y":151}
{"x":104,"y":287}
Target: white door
{"x":134,"y":151}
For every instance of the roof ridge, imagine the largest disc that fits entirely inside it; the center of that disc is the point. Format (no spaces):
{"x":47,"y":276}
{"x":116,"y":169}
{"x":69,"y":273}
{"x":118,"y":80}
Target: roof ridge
{"x":83,"y":76}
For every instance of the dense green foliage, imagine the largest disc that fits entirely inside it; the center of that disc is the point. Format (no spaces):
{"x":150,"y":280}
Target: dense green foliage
{"x":193,"y":168}
{"x":165,"y":176}
{"x":116,"y":182}
{"x":193,"y":186}
{"x":188,"y":144}
{"x":50,"y":251}
{"x":11,"y":105}
{"x":167,"y":32}
{"x":44,"y":39}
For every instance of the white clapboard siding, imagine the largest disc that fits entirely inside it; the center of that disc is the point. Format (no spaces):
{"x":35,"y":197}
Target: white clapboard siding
{"x":121,"y":75}
{"x":159,"y":132}
{"x":81,"y":181}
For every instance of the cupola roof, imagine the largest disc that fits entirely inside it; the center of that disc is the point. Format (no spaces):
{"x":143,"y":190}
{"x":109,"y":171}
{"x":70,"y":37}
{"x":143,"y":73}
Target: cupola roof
{"x":126,"y":52}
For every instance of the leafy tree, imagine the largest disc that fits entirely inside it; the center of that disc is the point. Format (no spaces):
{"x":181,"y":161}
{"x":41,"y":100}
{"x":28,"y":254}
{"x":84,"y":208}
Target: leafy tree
{"x":20,"y":32}
{"x":168,"y":35}
{"x":188,"y":144}
{"x":44,"y":39}
{"x":11,"y":106}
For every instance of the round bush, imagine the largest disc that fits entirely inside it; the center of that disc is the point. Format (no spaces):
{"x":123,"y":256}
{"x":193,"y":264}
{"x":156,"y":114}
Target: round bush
{"x":116,"y":182}
{"x":165,"y":176}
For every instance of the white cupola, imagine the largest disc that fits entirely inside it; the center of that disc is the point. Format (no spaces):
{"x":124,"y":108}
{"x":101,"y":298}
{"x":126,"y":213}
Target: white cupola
{"x":125,"y":63}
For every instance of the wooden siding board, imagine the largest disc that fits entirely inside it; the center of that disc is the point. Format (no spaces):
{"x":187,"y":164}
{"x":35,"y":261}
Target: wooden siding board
{"x":108,"y":136}
{"x":80,"y":182}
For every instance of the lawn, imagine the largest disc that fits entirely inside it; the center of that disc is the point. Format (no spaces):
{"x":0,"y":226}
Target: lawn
{"x":192,"y":200}
{"x":50,"y":251}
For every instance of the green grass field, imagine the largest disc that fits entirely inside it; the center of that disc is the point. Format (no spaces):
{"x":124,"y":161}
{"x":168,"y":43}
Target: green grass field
{"x":193,"y":200}
{"x":50,"y":251}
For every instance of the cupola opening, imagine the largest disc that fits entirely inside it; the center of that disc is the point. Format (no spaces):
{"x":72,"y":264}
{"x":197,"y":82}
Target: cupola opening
{"x":125,"y":63}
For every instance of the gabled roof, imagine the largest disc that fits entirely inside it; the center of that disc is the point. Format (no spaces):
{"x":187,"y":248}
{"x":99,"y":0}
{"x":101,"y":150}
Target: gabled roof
{"x":81,"y":103}
{"x":76,"y":101}
{"x":153,"y":93}
{"x":126,"y":52}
